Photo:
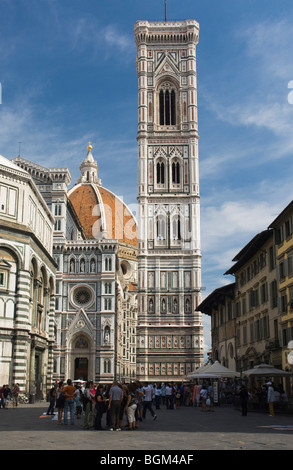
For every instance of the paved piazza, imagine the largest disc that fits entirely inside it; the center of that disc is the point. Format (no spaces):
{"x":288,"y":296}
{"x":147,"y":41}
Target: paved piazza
{"x":188,"y":430}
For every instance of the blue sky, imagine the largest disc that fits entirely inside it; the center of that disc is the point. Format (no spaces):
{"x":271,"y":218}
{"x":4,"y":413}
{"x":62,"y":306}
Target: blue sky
{"x":68,"y":76}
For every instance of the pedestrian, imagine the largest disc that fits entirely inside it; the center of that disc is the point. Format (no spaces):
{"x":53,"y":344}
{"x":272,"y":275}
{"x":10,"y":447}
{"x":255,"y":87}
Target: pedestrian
{"x":92,"y":415}
{"x":271,"y":398}
{"x":87,"y":405}
{"x":100,"y":407}
{"x":188,"y":396}
{"x":70,"y":393}
{"x":6,"y":395}
{"x":52,"y":400}
{"x":243,"y":395}
{"x":15,"y":395}
{"x":203,"y":396}
{"x":2,"y":397}
{"x":78,"y":404}
{"x":60,"y":400}
{"x":115,"y":399}
{"x":169,"y":397}
{"x":158,"y":396}
{"x":211,"y":396}
{"x":163,"y":390}
{"x":196,"y":395}
{"x":178,"y":398}
{"x":147,"y":402}
{"x":123,"y":405}
{"x":131,"y":406}
{"x":139,"y":401}
{"x":108,"y":411}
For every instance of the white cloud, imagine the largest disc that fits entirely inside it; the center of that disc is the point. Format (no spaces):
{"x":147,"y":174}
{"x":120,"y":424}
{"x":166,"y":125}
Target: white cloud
{"x":270,"y":42}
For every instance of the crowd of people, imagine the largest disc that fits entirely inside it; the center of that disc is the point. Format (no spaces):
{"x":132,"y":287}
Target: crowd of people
{"x":7,"y":394}
{"x":124,"y":406}
{"x":121,"y":406}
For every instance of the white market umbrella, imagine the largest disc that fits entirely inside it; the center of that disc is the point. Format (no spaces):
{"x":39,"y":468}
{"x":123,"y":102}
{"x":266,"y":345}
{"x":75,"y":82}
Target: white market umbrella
{"x":216,"y":369}
{"x":206,"y":375}
{"x":200,"y":370}
{"x":266,"y":370}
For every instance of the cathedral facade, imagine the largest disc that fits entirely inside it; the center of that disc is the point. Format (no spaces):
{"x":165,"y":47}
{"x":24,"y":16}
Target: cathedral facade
{"x":95,"y":251}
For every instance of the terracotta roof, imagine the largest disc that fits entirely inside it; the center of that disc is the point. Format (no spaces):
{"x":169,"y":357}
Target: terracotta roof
{"x":101,"y":211}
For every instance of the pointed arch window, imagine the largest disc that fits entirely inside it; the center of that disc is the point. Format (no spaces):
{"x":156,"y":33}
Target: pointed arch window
{"x":161,"y":227}
{"x":176,"y":228}
{"x":160,"y":172}
{"x":167,"y":107}
{"x":175,"y":172}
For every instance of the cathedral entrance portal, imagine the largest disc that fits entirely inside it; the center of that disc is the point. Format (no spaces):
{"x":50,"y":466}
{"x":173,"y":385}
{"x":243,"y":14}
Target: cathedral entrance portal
{"x":81,"y":361}
{"x":81,"y":368}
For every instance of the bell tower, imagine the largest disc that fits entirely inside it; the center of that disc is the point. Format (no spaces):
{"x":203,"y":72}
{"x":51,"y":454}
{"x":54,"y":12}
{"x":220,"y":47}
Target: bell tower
{"x":170,"y":332}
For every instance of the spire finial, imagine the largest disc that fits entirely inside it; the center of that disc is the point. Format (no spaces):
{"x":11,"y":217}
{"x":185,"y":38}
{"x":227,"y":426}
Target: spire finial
{"x":89,"y":147}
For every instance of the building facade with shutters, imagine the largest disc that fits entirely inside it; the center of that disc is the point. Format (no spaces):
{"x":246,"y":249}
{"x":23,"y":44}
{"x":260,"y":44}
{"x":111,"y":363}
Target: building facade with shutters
{"x":255,"y":306}
{"x":283,"y":239}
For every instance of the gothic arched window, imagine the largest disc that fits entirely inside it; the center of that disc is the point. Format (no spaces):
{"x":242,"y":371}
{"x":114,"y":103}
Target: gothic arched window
{"x":161,"y":228}
{"x":167,"y":106}
{"x":175,"y":172}
{"x":176,"y":229}
{"x":160,"y":173}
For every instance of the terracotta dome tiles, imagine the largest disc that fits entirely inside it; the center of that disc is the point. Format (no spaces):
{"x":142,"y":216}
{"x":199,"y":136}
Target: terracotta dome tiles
{"x":120,"y":223}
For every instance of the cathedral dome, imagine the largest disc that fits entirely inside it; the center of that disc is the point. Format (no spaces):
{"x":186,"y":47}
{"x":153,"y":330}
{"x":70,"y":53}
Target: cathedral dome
{"x":102,"y":214}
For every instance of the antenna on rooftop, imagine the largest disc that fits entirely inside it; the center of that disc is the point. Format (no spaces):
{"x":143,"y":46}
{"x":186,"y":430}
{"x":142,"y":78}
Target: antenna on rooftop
{"x":165,"y":10}
{"x":19,"y":148}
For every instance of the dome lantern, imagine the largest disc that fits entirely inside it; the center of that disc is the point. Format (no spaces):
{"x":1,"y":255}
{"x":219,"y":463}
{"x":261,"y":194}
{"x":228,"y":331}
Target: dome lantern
{"x":89,"y":168}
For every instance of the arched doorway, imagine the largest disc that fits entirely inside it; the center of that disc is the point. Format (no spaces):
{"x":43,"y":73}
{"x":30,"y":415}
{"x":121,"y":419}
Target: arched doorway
{"x":81,"y":357}
{"x":81,"y":368}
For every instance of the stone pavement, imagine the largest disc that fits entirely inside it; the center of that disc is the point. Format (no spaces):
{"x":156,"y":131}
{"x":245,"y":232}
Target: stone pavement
{"x":187,"y":429}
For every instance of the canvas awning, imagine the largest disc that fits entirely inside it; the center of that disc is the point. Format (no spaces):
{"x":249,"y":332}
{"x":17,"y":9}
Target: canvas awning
{"x":200,"y":370}
{"x":266,"y":370}
{"x":215,"y":370}
{"x":218,"y":369}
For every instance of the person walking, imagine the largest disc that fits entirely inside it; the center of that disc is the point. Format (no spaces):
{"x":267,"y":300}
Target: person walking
{"x":87,"y":405}
{"x":203,"y":396}
{"x":52,"y":400}
{"x":15,"y":395}
{"x":158,"y":395}
{"x":78,"y":405}
{"x":163,"y":391}
{"x":243,"y":395}
{"x":147,"y":402}
{"x":60,"y":399}
{"x":131,"y":406}
{"x":211,"y":396}
{"x":271,"y":398}
{"x":2,"y":397}
{"x":70,"y":393}
{"x":6,"y":393}
{"x":115,"y":399}
{"x":169,"y":397}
